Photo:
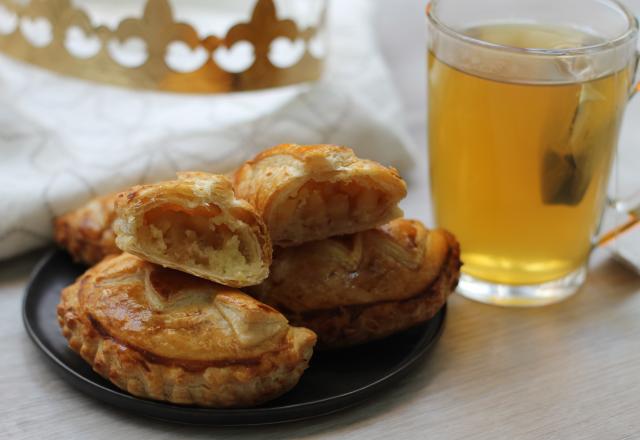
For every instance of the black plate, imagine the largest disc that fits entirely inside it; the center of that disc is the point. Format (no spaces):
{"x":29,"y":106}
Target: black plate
{"x":334,"y":381}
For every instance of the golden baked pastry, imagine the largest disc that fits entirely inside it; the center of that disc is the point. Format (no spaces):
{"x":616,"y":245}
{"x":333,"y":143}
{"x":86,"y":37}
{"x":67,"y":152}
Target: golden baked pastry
{"x":365,"y":286}
{"x":87,"y":232}
{"x":166,"y":335}
{"x":312,"y":192}
{"x":197,"y":225}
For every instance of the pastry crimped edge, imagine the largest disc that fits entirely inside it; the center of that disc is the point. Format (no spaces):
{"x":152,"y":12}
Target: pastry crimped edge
{"x":128,"y":211}
{"x":227,"y":385}
{"x":261,"y":180}
{"x":85,"y":243}
{"x":355,"y":324}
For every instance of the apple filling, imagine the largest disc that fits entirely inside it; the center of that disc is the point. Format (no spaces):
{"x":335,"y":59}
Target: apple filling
{"x":195,"y":237}
{"x":332,"y":205}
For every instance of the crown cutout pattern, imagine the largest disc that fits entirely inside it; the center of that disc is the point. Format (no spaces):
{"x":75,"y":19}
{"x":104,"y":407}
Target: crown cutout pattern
{"x":37,"y":32}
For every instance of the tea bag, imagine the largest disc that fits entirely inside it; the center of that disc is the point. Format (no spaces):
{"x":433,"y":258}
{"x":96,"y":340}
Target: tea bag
{"x":567,"y":168}
{"x":569,"y":163}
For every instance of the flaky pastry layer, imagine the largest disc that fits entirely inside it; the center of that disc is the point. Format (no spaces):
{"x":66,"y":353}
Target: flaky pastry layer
{"x":365,"y":286}
{"x":165,"y":335}
{"x":312,"y":192}
{"x":197,"y":225}
{"x":87,"y":232}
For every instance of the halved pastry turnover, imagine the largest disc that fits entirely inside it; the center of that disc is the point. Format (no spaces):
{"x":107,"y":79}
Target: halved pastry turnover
{"x":166,"y":335}
{"x":87,"y":232}
{"x":312,"y":192}
{"x":197,"y":225}
{"x":364,"y":286}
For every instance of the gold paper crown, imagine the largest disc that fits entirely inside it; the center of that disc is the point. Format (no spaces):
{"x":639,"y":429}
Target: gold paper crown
{"x":158,"y":29}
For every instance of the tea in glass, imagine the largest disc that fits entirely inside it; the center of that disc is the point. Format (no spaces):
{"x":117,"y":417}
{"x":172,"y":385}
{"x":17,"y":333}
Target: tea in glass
{"x":520,"y":153}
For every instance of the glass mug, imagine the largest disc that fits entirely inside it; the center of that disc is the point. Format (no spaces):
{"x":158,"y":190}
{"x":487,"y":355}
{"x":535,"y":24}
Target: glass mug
{"x":526,"y":99}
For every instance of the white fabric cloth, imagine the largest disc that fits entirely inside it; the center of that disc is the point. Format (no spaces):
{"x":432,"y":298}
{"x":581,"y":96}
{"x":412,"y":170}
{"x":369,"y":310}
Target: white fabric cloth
{"x":63,"y":141}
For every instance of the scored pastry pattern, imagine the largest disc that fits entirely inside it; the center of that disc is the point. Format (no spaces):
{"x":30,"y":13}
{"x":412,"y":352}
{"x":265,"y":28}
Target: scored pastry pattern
{"x":161,"y":334}
{"x":311,"y":192}
{"x":356,"y":288}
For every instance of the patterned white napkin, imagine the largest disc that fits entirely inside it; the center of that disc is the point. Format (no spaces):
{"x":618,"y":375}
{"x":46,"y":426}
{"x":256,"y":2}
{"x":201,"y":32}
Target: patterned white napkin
{"x":63,"y":141}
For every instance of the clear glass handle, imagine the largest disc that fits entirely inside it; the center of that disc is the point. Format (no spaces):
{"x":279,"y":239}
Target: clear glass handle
{"x":631,"y":206}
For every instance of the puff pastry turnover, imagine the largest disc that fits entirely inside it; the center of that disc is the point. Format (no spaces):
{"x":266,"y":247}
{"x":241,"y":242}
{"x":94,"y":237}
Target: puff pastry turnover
{"x":312,"y":192}
{"x":166,"y":335}
{"x":364,"y":286}
{"x":87,"y":232}
{"x":197,"y":225}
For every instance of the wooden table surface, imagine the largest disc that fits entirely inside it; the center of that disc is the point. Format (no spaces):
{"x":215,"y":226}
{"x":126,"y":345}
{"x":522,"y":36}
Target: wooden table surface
{"x":568,"y":371}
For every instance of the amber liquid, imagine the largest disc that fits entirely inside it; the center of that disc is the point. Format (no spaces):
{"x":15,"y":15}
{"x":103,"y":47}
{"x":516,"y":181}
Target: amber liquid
{"x":519,"y":171}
